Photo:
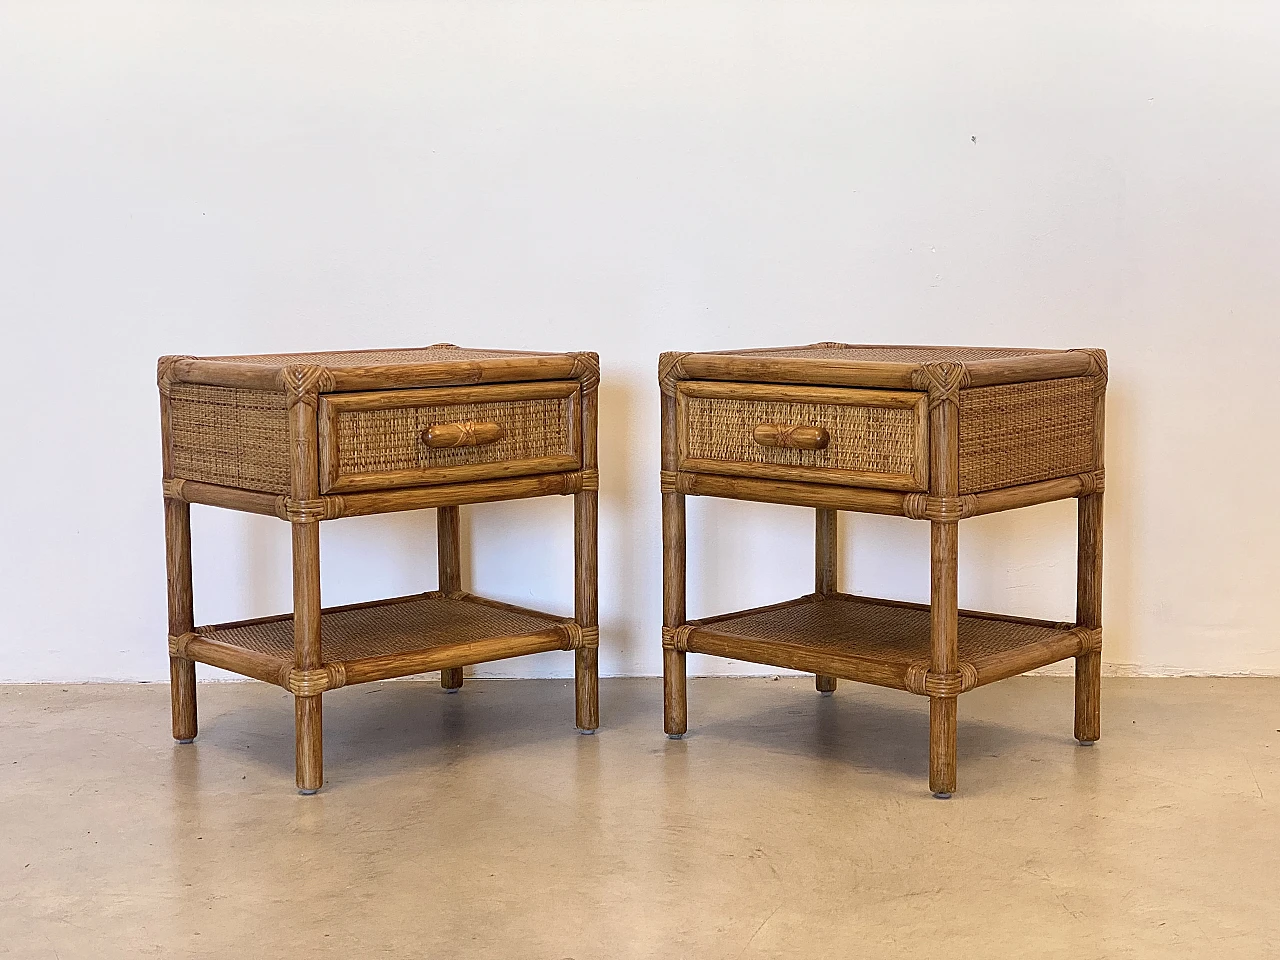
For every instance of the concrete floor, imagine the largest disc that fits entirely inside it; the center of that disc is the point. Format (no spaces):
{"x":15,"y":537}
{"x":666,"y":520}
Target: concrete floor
{"x":785,"y":825}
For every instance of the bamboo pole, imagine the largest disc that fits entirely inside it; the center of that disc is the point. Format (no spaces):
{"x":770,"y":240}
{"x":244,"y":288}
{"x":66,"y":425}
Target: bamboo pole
{"x":449,"y":564}
{"x":826,"y":573}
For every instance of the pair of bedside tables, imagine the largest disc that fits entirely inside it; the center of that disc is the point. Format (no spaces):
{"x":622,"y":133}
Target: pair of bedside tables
{"x":931,"y":433}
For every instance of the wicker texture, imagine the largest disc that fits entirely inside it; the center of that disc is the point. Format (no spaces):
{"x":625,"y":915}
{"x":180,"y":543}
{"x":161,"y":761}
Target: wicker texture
{"x":402,"y":626}
{"x":232,"y":437}
{"x":876,"y":631}
{"x":891,"y":354}
{"x":370,"y":358}
{"x":1025,"y":432}
{"x":380,"y":441}
{"x":871,"y":439}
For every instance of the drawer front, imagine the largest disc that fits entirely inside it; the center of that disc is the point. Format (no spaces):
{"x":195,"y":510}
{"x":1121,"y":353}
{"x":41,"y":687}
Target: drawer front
{"x":859,"y":438}
{"x":409,"y":438}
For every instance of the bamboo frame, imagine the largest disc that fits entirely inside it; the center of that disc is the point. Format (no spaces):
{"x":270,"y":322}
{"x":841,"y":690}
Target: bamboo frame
{"x":310,"y":389}
{"x":943,"y":675}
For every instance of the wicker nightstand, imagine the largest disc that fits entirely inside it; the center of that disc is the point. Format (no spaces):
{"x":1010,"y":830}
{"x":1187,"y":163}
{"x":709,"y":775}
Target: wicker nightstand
{"x":311,"y":437}
{"x":931,"y":433}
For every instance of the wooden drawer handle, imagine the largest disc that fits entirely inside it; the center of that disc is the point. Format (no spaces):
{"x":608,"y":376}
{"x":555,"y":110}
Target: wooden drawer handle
{"x":791,"y":435}
{"x":469,"y":434}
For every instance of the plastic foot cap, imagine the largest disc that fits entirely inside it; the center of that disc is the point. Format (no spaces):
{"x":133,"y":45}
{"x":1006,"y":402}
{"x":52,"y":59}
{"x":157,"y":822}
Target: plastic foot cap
{"x":452,"y":689}
{"x":941,"y":796}
{"x":1086,"y":743}
{"x":827,"y":693}
{"x":309,"y":793}
{"x":675,"y":736}
{"x":188,"y":740}
{"x":586,"y":733}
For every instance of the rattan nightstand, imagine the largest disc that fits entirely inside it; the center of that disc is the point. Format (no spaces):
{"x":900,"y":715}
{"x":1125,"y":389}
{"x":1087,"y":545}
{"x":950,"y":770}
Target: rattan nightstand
{"x":931,"y":433}
{"x":318,"y":436}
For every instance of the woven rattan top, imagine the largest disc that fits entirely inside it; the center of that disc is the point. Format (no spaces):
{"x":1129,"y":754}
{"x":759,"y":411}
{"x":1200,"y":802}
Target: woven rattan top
{"x":395,"y":627}
{"x":887,"y":354}
{"x":867,"y":365}
{"x":338,"y":359}
{"x":442,"y":364}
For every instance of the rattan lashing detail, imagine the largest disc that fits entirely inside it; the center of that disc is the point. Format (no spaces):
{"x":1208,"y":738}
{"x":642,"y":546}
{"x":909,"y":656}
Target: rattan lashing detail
{"x":943,"y":379}
{"x":922,"y":506}
{"x":667,"y":481}
{"x":309,"y":511}
{"x":920,"y":679}
{"x":669,"y":371}
{"x":676,"y":638}
{"x":586,"y":369}
{"x":164,"y":372}
{"x":312,"y":683}
{"x":303,"y":383}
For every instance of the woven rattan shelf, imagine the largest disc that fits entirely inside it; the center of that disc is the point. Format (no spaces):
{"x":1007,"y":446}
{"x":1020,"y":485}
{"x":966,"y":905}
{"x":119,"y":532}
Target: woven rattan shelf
{"x":315,"y":436}
{"x":930,"y":433}
{"x":383,"y":639}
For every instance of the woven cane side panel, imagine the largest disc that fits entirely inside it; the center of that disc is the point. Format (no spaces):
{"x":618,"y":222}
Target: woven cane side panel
{"x":372,"y":358}
{"x":894,"y":354}
{"x":232,"y":437}
{"x":871,"y":439}
{"x":381,"y":441}
{"x":387,"y":629}
{"x":1025,"y":433}
{"x":876,"y":631}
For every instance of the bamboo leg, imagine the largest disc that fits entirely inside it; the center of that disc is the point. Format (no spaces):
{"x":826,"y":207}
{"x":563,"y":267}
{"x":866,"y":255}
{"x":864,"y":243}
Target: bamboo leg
{"x":1088,"y":726}
{"x":182,"y":672}
{"x":309,"y":755}
{"x":942,"y":746}
{"x":449,"y":554}
{"x":944,"y":624}
{"x":307,"y":655}
{"x":826,"y":559}
{"x":586,"y":669}
{"x":674,"y":688}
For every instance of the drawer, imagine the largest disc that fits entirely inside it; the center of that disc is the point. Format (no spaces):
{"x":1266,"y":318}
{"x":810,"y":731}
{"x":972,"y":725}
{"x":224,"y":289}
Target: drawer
{"x":846,"y":436}
{"x":409,"y":438}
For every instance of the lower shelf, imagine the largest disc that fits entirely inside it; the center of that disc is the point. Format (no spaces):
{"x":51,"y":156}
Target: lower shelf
{"x":387,"y":638}
{"x":884,"y":642}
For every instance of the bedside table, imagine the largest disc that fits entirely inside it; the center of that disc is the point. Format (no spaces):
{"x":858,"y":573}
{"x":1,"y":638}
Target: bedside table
{"x":317,"y":436}
{"x":931,"y":433}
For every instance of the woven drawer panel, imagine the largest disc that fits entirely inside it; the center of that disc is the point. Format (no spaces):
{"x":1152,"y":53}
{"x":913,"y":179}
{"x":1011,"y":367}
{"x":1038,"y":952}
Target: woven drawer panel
{"x":236,"y":438}
{"x":381,"y":441}
{"x":871,"y":439}
{"x":1025,"y":433}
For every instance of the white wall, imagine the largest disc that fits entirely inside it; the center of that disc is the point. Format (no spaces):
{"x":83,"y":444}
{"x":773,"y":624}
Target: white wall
{"x":631,"y":178}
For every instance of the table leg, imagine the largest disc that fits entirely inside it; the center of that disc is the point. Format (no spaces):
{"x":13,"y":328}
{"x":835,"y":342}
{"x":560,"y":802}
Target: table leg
{"x":307,"y":654}
{"x":1088,"y":726}
{"x":449,"y":564}
{"x":182,"y":672}
{"x":825,"y":575}
{"x":944,"y":625}
{"x":674,"y":691}
{"x":586,"y":669}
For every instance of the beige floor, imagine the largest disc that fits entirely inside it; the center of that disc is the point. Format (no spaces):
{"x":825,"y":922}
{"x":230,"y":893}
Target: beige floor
{"x":785,"y":825}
